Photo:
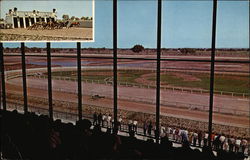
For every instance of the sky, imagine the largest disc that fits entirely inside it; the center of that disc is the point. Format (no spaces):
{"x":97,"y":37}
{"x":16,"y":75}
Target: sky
{"x":184,"y":24}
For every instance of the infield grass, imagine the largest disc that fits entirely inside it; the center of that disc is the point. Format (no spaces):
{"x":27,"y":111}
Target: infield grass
{"x":226,"y":83}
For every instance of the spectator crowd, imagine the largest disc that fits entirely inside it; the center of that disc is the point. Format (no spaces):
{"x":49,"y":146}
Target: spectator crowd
{"x":31,"y":136}
{"x":196,"y":138}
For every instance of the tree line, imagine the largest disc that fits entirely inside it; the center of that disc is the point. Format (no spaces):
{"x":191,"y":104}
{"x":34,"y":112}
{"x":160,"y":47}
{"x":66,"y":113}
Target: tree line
{"x":136,"y":49}
{"x":66,"y":17}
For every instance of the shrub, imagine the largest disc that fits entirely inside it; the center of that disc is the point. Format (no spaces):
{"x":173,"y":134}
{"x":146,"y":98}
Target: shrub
{"x":137,"y":48}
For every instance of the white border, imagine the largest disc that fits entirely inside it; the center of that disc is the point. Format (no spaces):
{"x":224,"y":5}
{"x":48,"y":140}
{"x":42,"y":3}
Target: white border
{"x":86,"y":41}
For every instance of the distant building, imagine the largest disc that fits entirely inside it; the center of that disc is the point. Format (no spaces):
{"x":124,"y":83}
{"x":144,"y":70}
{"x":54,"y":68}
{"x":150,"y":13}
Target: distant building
{"x":24,"y":19}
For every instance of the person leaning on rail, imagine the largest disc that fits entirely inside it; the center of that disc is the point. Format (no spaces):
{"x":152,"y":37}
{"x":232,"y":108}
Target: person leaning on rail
{"x":99,"y":119}
{"x":145,"y":127}
{"x":244,"y":145}
{"x":120,"y":122}
{"x":237,"y":144}
{"x":135,"y":126}
{"x":104,"y":120}
{"x":95,"y":119}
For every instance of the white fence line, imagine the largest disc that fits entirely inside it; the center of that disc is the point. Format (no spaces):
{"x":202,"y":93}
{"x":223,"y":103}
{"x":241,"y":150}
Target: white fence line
{"x":145,"y":100}
{"x":180,"y":89}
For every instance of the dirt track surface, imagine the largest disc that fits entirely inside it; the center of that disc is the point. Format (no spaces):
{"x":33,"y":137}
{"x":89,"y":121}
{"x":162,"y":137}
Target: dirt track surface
{"x":21,"y":34}
{"x":226,"y":102}
{"x":106,"y":90}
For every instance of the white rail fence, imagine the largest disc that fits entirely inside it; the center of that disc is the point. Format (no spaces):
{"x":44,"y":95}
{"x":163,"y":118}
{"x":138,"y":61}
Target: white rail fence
{"x":180,"y":89}
{"x":218,"y":109}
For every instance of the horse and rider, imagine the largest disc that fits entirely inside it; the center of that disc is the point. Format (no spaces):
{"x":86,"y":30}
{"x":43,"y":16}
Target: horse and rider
{"x":52,"y":25}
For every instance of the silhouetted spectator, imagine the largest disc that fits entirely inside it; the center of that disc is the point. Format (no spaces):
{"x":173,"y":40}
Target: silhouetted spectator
{"x":176,"y":134}
{"x":99,"y":119}
{"x":135,"y":126}
{"x":222,"y":141}
{"x":200,"y":136}
{"x":237,"y":144}
{"x":112,"y":123}
{"x":55,"y":139}
{"x":190,"y":136}
{"x":145,"y":127}
{"x":109,"y":121}
{"x":231,"y":143}
{"x":97,"y":130}
{"x":170,"y":132}
{"x":120,"y":122}
{"x":132,"y":133}
{"x":226,"y":146}
{"x":104,"y":120}
{"x":155,"y":132}
{"x":85,"y":125}
{"x":216,"y":142}
{"x":213,"y":136}
{"x":163,"y":131}
{"x":150,"y":128}
{"x":166,"y":143}
{"x":244,"y":145}
{"x":108,"y":131}
{"x":95,"y":119}
{"x":195,"y":137}
{"x":208,"y":153}
{"x":115,"y":129}
{"x":179,"y":135}
{"x":130,"y":125}
{"x":184,"y":135}
{"x":205,"y":139}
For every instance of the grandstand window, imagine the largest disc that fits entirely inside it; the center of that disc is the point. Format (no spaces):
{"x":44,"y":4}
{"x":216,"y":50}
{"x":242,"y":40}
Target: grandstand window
{"x":231,"y":80}
{"x":11,"y":65}
{"x":135,"y":63}
{"x":37,"y":95}
{"x":97,"y":72}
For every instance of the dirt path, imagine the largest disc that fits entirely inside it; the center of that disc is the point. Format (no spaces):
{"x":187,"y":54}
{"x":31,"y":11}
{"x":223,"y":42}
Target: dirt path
{"x":19,"y":34}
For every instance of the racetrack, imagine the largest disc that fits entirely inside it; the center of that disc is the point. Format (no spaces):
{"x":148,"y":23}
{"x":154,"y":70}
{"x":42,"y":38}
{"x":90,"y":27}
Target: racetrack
{"x":134,"y":98}
{"x":127,"y":96}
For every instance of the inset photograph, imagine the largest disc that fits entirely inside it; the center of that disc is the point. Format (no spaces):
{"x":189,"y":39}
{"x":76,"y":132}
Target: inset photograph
{"x":50,"y":20}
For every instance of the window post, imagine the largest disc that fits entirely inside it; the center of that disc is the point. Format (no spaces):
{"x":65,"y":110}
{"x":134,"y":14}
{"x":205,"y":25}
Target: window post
{"x":158,"y":70}
{"x":79,"y":79}
{"x":25,"y":103}
{"x":3,"y":94}
{"x":115,"y":61}
{"x":211,"y":100}
{"x":49,"y":80}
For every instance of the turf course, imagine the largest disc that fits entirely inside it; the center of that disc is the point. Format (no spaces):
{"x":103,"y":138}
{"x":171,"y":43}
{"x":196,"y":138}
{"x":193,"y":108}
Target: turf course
{"x":226,"y":83}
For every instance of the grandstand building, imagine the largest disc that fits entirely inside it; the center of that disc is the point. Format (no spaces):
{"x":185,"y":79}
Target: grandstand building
{"x":24,"y":19}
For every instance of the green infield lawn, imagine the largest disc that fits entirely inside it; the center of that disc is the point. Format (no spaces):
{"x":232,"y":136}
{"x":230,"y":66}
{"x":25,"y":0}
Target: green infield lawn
{"x":226,"y":83}
{"x":128,"y":76}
